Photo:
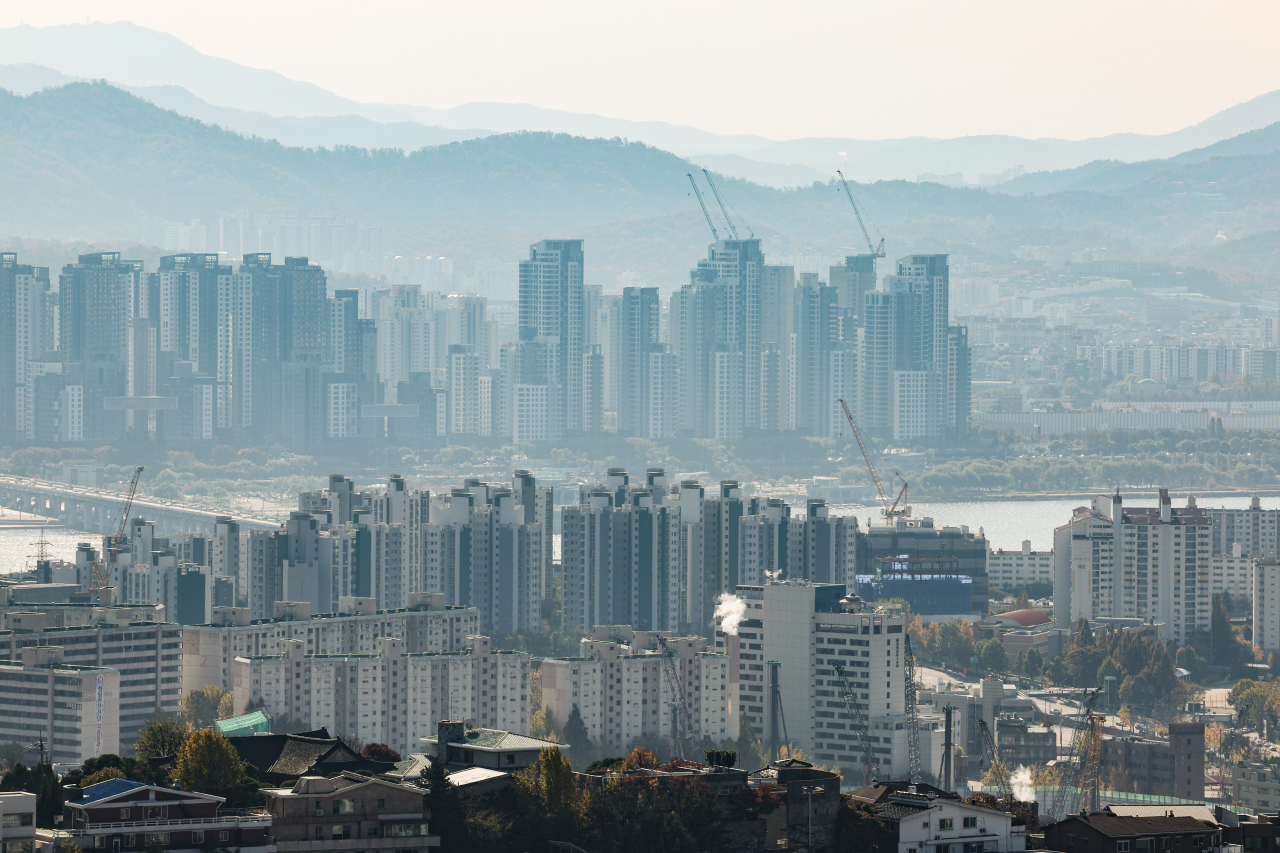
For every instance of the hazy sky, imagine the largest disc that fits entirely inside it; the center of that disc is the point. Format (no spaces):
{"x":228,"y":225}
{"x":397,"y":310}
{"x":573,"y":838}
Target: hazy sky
{"x":1066,"y":68}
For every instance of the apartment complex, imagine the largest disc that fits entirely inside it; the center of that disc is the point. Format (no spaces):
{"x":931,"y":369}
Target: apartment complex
{"x":74,"y":709}
{"x":1266,"y":604}
{"x":1015,"y":570}
{"x":1173,"y":767}
{"x":621,"y":688}
{"x":390,"y":695}
{"x":1151,"y":564}
{"x":148,"y":656}
{"x":426,"y":625}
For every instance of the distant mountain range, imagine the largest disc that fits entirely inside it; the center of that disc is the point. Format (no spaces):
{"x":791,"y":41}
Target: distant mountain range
{"x":172,"y":74}
{"x":92,"y":161}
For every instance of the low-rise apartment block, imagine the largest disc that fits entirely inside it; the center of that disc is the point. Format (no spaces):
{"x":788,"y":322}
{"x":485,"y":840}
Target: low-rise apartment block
{"x":348,"y":812}
{"x":388,"y":696}
{"x":427,"y":625}
{"x":621,"y":690}
{"x":1015,"y":570}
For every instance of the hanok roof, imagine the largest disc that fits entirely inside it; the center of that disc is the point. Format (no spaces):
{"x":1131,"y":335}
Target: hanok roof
{"x":294,"y":755}
{"x":881,"y":791}
{"x":496,"y":740}
{"x":321,"y":785}
{"x":1198,"y":812}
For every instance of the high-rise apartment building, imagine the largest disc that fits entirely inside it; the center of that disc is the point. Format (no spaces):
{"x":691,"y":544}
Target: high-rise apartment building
{"x":914,"y":370}
{"x":551,"y":318}
{"x":1148,"y":563}
{"x":26,"y":338}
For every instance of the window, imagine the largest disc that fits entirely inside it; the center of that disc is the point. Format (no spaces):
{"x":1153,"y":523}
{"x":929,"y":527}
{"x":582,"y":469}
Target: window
{"x":1122,"y":847}
{"x":197,"y":836}
{"x":319,"y":833}
{"x":131,"y":841}
{"x":946,"y":823}
{"x":970,"y":822}
{"x":124,"y":814}
{"x":511,"y":758}
{"x":224,"y":835}
{"x":382,"y":802}
{"x":344,"y":806}
{"x":159,"y":839}
{"x":11,"y":820}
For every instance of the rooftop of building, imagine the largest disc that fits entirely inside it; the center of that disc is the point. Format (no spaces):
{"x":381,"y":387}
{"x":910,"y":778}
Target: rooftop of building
{"x":1113,"y":825}
{"x":496,"y":740}
{"x":112,"y":788}
{"x":1026,"y":618}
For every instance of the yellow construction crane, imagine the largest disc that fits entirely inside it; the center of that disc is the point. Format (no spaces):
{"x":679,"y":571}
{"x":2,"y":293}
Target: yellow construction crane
{"x":101,"y":574}
{"x":876,"y":251}
{"x":898,"y":508}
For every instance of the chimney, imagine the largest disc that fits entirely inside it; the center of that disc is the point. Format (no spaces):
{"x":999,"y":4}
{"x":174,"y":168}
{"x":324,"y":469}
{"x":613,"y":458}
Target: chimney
{"x":446,"y":732}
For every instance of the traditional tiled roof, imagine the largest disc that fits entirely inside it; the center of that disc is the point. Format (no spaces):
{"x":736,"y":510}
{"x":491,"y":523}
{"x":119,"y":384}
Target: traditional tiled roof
{"x":1113,"y":825}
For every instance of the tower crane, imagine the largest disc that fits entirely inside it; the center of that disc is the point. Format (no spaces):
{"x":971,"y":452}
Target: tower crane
{"x":876,"y":251}
{"x":858,"y":720}
{"x":733,"y":229}
{"x":998,"y":768}
{"x":715,"y":235}
{"x":1067,"y":798}
{"x":681,"y":725}
{"x":899,"y":508}
{"x":101,"y":574}
{"x":913,"y":723}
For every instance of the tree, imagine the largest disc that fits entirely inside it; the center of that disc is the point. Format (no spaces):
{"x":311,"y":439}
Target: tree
{"x":542,"y":723}
{"x":200,"y":706}
{"x":991,"y":655}
{"x":1126,"y":718}
{"x":380,"y":752}
{"x":552,"y":783}
{"x":161,"y":738}
{"x":1032,"y":663}
{"x":575,"y":733}
{"x":1022,"y":602}
{"x":1222,"y":638}
{"x":227,"y":706}
{"x":750,"y":752}
{"x":721,"y":757}
{"x":102,"y":776}
{"x":858,"y":830}
{"x":445,"y":806}
{"x":208,"y":763}
{"x":638,"y":758}
{"x":17,"y":778}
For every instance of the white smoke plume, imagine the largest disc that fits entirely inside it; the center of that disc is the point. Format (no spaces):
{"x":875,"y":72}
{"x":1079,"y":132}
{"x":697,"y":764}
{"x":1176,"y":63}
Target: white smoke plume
{"x":1020,"y":782}
{"x":730,"y":610}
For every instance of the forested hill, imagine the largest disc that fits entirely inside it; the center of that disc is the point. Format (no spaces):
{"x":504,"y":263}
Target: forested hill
{"x":91,"y":161}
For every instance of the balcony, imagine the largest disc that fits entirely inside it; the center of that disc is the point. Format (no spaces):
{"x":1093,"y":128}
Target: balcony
{"x":244,"y":821}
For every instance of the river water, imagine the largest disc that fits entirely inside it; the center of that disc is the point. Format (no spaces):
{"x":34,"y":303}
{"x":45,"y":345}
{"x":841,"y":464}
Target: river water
{"x":1006,"y":523}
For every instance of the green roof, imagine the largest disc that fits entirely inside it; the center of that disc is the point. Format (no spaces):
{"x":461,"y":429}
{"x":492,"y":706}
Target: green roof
{"x":245,"y":724}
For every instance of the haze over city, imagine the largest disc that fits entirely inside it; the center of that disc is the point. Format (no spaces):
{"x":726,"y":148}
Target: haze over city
{"x":512,"y":427}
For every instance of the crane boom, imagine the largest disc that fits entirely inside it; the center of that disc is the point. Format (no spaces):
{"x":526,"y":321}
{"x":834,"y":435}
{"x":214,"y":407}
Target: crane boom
{"x":876,"y":251}
{"x":913,"y":723}
{"x":102,"y":576}
{"x":856,"y":719}
{"x":1070,"y":781}
{"x":733,"y":229}
{"x":697,"y":192}
{"x":998,"y":767}
{"x":898,"y":508}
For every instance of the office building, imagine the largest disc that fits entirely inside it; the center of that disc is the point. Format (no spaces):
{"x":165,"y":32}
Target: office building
{"x":1148,"y":563}
{"x":388,"y":696}
{"x":618,"y":685}
{"x":74,"y":709}
{"x":941,"y":571}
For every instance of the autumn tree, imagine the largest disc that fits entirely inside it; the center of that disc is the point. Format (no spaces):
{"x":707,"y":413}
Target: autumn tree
{"x":200,"y":706}
{"x":380,"y":752}
{"x":208,"y":763}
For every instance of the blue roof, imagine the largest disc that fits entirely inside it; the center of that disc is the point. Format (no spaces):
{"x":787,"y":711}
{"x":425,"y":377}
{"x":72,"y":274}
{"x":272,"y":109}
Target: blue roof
{"x":108,"y":789}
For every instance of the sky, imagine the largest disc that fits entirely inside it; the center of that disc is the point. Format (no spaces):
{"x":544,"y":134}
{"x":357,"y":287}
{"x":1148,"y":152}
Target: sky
{"x":1071,"y":69}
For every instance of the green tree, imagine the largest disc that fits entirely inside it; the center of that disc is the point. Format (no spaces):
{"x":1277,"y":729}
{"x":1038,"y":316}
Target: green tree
{"x":200,"y":706}
{"x":208,"y":763}
{"x":161,"y":738}
{"x":102,"y":776}
{"x":750,"y":750}
{"x":991,"y":655}
{"x":1220,"y":630}
{"x":858,"y":830}
{"x":444,"y":803}
{"x":1032,"y":663}
{"x":576,"y":735}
